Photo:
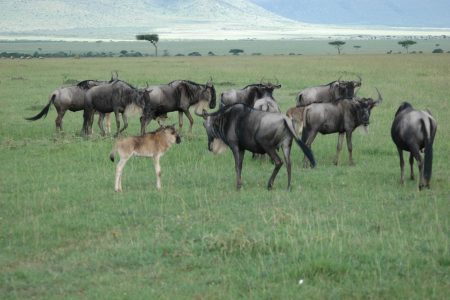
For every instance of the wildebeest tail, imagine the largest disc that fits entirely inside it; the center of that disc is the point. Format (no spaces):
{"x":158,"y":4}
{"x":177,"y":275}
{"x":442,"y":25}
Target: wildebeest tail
{"x":306,"y":150}
{"x":111,"y":154}
{"x":428,"y":137}
{"x":44,"y":111}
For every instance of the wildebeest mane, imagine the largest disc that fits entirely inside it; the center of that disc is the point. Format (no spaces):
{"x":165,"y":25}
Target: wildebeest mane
{"x":128,"y":84}
{"x":254,"y":85}
{"x":84,"y":85}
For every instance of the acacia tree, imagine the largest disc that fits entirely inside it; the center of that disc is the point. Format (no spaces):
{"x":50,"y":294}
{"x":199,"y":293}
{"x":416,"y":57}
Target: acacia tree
{"x":236,"y":51}
{"x":152,"y":38}
{"x":338,"y":45}
{"x":406,"y":43}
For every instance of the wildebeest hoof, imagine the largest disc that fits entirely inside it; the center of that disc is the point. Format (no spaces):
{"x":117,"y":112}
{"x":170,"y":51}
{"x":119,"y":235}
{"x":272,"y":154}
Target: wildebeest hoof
{"x":412,"y":177}
{"x":118,"y":190}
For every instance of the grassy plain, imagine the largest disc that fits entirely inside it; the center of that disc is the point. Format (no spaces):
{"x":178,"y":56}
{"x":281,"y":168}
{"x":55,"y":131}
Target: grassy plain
{"x":279,"y":47}
{"x":346,"y":231}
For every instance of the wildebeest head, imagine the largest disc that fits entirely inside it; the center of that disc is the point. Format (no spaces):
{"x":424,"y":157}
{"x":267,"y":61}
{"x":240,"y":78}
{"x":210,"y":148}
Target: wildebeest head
{"x":365,"y":107}
{"x":216,"y":142}
{"x":269,"y":87}
{"x":209,"y":94}
{"x":209,"y":127}
{"x":342,"y":89}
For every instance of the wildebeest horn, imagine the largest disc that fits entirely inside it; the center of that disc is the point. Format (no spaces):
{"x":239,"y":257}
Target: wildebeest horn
{"x":147,"y":84}
{"x":360,"y":80}
{"x":380,"y":99}
{"x":339,"y":79}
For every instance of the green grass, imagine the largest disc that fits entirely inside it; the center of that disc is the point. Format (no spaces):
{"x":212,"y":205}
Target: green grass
{"x":348,"y":232}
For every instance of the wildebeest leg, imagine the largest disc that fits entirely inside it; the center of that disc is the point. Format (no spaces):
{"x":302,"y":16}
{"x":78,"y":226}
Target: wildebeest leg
{"x":157,"y":171}
{"x":101,"y":117}
{"x":59,"y":118}
{"x":238,"y":159}
{"x":339,"y":148}
{"x":119,"y":170}
{"x":191,"y":121}
{"x":125,"y":122}
{"x":402,"y":165}
{"x":116,"y":114}
{"x":145,"y":120}
{"x":180,"y":120}
{"x":308,"y":143}
{"x":287,"y":159}
{"x":348,"y":135}
{"x":278,"y":163}
{"x":411,"y":163}
{"x":415,"y":151}
{"x":108,"y":122}
{"x":86,"y":120}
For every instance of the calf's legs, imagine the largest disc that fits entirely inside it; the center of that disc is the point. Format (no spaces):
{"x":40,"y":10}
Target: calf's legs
{"x":157,"y":171}
{"x":119,"y":170}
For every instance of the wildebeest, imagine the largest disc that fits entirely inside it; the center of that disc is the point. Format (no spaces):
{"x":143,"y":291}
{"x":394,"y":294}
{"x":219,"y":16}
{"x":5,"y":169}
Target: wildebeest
{"x":248,"y":95}
{"x":341,"y":117}
{"x":113,"y":97}
{"x":68,"y":98}
{"x":244,"y":128}
{"x":296,"y":115}
{"x":331,"y":92}
{"x":178,"y":95}
{"x":153,"y":144}
{"x":412,"y":131}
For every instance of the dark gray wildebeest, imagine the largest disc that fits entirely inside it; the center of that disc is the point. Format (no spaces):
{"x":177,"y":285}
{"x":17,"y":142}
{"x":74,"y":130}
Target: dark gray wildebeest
{"x":178,"y":95}
{"x":115,"y":97}
{"x":341,"y":117}
{"x":153,"y":144}
{"x":413,"y":131}
{"x":334,"y":91}
{"x":248,"y":95}
{"x":242,"y":128}
{"x":68,"y":98}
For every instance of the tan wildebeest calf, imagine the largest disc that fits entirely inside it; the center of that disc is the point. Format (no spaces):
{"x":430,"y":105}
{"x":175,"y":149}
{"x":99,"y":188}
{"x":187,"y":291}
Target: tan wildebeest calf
{"x":296,"y":115}
{"x":153,"y":144}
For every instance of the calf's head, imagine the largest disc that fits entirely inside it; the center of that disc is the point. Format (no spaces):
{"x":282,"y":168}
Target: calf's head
{"x":172,"y":134}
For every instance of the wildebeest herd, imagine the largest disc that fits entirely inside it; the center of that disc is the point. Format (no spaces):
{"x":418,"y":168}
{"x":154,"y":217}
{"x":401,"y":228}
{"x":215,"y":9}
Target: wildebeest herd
{"x":247,"y":119}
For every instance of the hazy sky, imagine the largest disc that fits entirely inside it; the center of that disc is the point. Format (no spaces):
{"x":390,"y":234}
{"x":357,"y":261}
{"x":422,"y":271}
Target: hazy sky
{"x":415,"y":13}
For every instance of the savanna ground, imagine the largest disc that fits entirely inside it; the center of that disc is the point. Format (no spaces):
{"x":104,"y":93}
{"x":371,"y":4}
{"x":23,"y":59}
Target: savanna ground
{"x":346,"y":231}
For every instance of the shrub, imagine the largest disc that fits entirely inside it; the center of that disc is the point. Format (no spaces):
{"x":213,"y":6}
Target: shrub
{"x":194,"y":54}
{"x":438,"y":50}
